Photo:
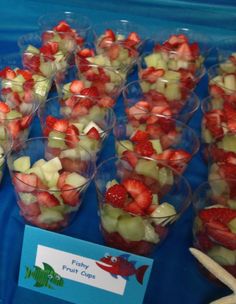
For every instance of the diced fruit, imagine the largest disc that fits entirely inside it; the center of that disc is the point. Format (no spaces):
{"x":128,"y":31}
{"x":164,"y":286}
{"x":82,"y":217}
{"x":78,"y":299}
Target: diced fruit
{"x":222,"y":255}
{"x":50,"y":216}
{"x":147,"y":168}
{"x":22,"y":164}
{"x":116,"y":195}
{"x":75,"y":180}
{"x":131,"y":228}
{"x":163,"y":213}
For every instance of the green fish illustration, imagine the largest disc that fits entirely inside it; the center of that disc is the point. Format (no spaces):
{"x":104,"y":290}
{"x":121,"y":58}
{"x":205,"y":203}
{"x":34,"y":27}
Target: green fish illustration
{"x":44,"y":277}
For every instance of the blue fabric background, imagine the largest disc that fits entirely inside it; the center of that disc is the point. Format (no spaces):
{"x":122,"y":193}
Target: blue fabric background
{"x":175,"y":277}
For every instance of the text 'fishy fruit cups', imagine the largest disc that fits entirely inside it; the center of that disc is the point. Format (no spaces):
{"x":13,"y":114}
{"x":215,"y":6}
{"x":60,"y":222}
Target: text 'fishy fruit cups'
{"x":49,"y":180}
{"x":214,"y":228}
{"x":155,"y":136}
{"x":86,"y":124}
{"x":137,"y":206}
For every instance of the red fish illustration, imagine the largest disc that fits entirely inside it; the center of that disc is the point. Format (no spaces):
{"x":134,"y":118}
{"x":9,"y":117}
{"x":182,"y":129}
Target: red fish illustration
{"x":121,"y":266}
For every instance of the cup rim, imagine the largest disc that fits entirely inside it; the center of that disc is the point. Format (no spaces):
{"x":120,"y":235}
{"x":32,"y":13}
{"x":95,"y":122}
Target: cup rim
{"x":187,"y":201}
{"x":8,"y":155}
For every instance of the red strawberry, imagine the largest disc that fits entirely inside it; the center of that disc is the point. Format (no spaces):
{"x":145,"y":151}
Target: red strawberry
{"x":25,"y":182}
{"x":105,"y":42}
{"x":4,"y":108}
{"x":110,"y":34}
{"x":28,"y":85}
{"x":151,"y":74}
{"x":106,"y":101}
{"x":230,"y":114}
{"x":134,"y":208}
{"x":62,"y":26}
{"x":79,"y":110}
{"x":14,"y":127}
{"x":227,"y":171}
{"x":62,"y":178}
{"x":223,"y":237}
{"x":204,"y":242}
{"x":184,"y":52}
{"x":70,"y":195}
{"x":154,"y":131}
{"x":86,"y":102}
{"x":85,"y":53}
{"x":26,"y":121}
{"x":76,"y":86}
{"x":31,"y":62}
{"x":46,"y":199}
{"x":215,"y":90}
{"x":25,"y":73}
{"x":223,"y":215}
{"x":144,"y":148}
{"x":139,"y":135}
{"x":180,"y":155}
{"x":29,"y":210}
{"x":7,"y":73}
{"x":92,"y":91}
{"x":116,"y":195}
{"x":213,"y":121}
{"x":195,"y":50}
{"x":50,"y":121}
{"x":139,"y":192}
{"x":113,"y":52}
{"x":133,"y":36}
{"x":53,"y":46}
{"x":130,"y":157}
{"x":61,"y":125}
{"x":165,"y":155}
{"x":93,"y":134}
{"x":72,"y":136}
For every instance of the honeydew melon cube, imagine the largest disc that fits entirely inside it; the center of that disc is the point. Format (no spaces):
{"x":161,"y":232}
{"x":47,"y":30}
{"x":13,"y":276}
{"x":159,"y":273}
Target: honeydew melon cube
{"x":222,"y":255}
{"x":53,"y":141}
{"x":99,"y":59}
{"x":152,"y":59}
{"x":172,"y":91}
{"x":50,"y":216}
{"x":17,"y":85}
{"x":230,"y":82}
{"x":147,"y":168}
{"x":89,"y":144}
{"x":160,"y":86}
{"x":13,"y":114}
{"x":173,"y":64}
{"x":59,"y":56}
{"x":172,"y":75}
{"x":161,"y":64}
{"x":165,"y":176}
{"x":109,"y":87}
{"x":228,"y":143}
{"x":182,"y":64}
{"x":232,"y":203}
{"x":149,"y":234}
{"x":22,"y":164}
{"x":79,"y":126}
{"x":131,"y":228}
{"x":25,"y":107}
{"x":1,"y":161}
{"x":163,"y":213}
{"x":92,"y":125}
{"x":57,"y":193}
{"x":218,"y":186}
{"x":120,"y":37}
{"x":27,"y":198}
{"x":2,"y":133}
{"x":145,"y":86}
{"x":66,"y":87}
{"x":42,"y":85}
{"x":65,"y":111}
{"x":75,"y":180}
{"x":37,"y":171}
{"x":123,"y":145}
{"x":155,"y":199}
{"x":39,"y":163}
{"x":96,"y":113}
{"x":232,"y":225}
{"x":31,"y":49}
{"x":228,"y":67}
{"x":218,"y":80}
{"x":156,"y":144}
{"x":206,"y":135}
{"x":52,"y":165}
{"x":47,"y":69}
{"x":123,"y":54}
{"x":51,"y":178}
{"x":110,"y":216}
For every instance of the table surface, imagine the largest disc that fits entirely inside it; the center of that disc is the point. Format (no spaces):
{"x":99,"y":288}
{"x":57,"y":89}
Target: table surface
{"x":175,"y":276}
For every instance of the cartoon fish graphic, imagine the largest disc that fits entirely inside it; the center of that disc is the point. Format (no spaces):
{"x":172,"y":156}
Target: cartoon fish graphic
{"x":121,"y":266}
{"x":44,"y":277}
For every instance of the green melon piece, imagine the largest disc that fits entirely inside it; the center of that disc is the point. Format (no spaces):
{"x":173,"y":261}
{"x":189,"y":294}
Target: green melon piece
{"x":123,"y":145}
{"x":39,"y":163}
{"x":131,"y":228}
{"x":2,"y":133}
{"x":222,"y":255}
{"x":163,"y":213}
{"x":110,"y":216}
{"x":228,"y":143}
{"x":232,"y":225}
{"x":145,"y":86}
{"x":232,"y":204}
{"x":31,"y":49}
{"x":153,"y":59}
{"x":42,"y":85}
{"x":172,"y":91}
{"x":75,"y":180}
{"x":228,"y":67}
{"x":147,"y":168}
{"x":50,"y":216}
{"x":150,"y":234}
{"x":13,"y":114}
{"x":172,"y":75}
{"x":21,"y":164}
{"x":52,"y":165}
{"x":53,"y":141}
{"x":165,"y":176}
{"x":157,"y":145}
{"x":27,"y":198}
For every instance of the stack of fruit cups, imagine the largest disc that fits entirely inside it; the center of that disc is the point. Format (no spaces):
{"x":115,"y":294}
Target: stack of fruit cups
{"x":218,"y":120}
{"x":214,"y":228}
{"x":168,"y":99}
{"x":20,"y":81}
{"x":222,"y":79}
{"x":102,"y":83}
{"x":117,"y":55}
{"x":157,"y":137}
{"x":41,"y":58}
{"x":124,"y":31}
{"x":68,"y":29}
{"x":50,"y":180}
{"x":137,"y":207}
{"x":5,"y":146}
{"x":89,"y":128}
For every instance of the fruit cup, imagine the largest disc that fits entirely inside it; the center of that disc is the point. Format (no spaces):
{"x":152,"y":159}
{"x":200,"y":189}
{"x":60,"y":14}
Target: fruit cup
{"x":50,"y":180}
{"x":19,"y":82}
{"x":218,"y":117}
{"x":222,"y":79}
{"x":69,"y":29}
{"x":133,"y":35}
{"x":167,"y":99}
{"x":155,"y":136}
{"x":214,"y":228}
{"x":137,"y":205}
{"x":41,"y":58}
{"x":102,"y":83}
{"x":87,"y":123}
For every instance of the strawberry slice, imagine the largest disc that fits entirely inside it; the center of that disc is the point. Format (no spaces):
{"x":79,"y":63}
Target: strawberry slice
{"x":7,"y":73}
{"x":32,"y":62}
{"x":106,"y":101}
{"x":116,"y":195}
{"x":227,"y":170}
{"x":50,"y":121}
{"x":184,"y":52}
{"x":222,"y":237}
{"x":139,"y":135}
{"x":230,"y":114}
{"x":93,"y":134}
{"x":62,"y":179}
{"x":134,"y":208}
{"x":110,"y":34}
{"x":25,"y":182}
{"x":25,"y":73}
{"x":62,"y":26}
{"x":213,"y":122}
{"x":180,"y":155}
{"x":61,"y":125}
{"x":144,"y":148}
{"x":139,"y":192}
{"x":204,"y":242}
{"x":215,"y":90}
{"x":86,"y":52}
{"x":46,"y":199}
{"x":223,"y":215}
{"x":76,"y":86}
{"x":92,"y":91}
{"x":134,"y":37}
{"x":70,"y":195}
{"x":130,"y":157}
{"x":113,"y":52}
{"x":72,"y":136}
{"x":4,"y":108}
{"x":151,"y":74}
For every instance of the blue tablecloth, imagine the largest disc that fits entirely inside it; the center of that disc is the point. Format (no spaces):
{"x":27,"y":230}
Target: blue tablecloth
{"x":175,"y":277}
